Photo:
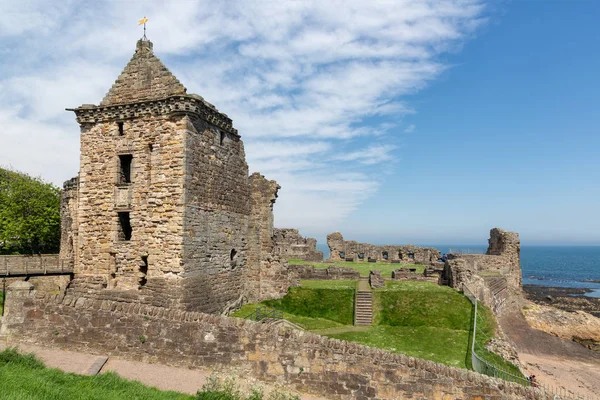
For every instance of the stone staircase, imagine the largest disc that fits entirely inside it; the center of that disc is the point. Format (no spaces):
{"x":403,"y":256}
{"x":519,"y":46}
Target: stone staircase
{"x":363,"y":308}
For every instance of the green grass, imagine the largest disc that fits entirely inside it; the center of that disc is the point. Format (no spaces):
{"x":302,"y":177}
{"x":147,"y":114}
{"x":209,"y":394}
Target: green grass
{"x":1,"y":301}
{"x":362,"y":267}
{"x":24,"y":377}
{"x":422,"y":304}
{"x":331,"y":304}
{"x":419,"y":319}
{"x":333,"y":284}
{"x":441,"y":345}
{"x":307,"y":323}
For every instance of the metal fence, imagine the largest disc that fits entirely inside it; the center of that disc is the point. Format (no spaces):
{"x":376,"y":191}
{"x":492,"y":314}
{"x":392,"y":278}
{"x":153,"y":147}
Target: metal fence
{"x":261,"y":313}
{"x":482,"y":366}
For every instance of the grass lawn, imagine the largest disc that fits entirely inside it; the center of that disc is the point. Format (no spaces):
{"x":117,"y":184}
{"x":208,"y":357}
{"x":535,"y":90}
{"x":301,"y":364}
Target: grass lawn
{"x":24,"y":377}
{"x":441,"y":345}
{"x":333,"y":284}
{"x":308,"y":323}
{"x":362,"y":267}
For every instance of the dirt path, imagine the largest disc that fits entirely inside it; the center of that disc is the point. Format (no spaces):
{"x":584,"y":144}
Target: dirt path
{"x":183,"y":380}
{"x":556,"y":362}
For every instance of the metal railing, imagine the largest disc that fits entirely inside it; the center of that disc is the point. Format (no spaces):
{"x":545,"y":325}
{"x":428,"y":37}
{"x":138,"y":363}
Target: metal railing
{"x":261,"y":313}
{"x":482,"y":366}
{"x":466,"y":251}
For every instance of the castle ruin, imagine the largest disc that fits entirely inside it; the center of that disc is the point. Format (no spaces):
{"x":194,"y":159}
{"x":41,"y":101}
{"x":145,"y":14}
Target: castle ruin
{"x":163,"y":211}
{"x":350,"y":250}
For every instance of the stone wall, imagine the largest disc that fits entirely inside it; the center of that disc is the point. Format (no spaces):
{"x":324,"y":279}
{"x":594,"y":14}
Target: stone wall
{"x":309,"y":272}
{"x":341,"y":249}
{"x":494,"y":277}
{"x":290,"y":244}
{"x":163,"y":211}
{"x":405,"y":274}
{"x":269,"y":275}
{"x":303,"y":361}
{"x":68,"y":220}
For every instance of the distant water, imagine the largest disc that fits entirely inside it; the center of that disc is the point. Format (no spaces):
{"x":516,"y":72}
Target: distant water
{"x":564,"y":266}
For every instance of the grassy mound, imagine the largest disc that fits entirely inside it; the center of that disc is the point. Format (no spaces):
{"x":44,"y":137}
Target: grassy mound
{"x":362,"y":267}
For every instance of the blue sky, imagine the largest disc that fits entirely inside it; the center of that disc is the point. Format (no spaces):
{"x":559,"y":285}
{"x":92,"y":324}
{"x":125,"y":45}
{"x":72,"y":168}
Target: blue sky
{"x":396,"y":122}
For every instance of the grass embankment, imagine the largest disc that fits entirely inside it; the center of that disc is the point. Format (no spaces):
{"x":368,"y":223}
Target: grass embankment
{"x":419,"y":319}
{"x":362,"y":267}
{"x":24,"y":377}
{"x":315,"y":305}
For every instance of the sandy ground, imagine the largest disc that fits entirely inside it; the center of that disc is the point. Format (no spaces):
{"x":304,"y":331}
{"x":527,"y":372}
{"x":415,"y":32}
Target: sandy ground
{"x":556,"y":362}
{"x":163,"y":377}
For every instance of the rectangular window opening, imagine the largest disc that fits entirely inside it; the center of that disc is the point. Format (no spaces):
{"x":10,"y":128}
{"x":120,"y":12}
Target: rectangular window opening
{"x":121,"y":129}
{"x":125,"y":168}
{"x":125,"y":225}
{"x":143,"y":271}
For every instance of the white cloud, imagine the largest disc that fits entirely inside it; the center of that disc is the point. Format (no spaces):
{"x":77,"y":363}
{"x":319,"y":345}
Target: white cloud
{"x":410,"y":129}
{"x":305,"y":82}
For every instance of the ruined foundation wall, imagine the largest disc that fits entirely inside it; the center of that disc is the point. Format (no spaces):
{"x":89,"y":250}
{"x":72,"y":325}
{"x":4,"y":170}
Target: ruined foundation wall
{"x":309,"y":272}
{"x":290,"y":244}
{"x":300,"y":360}
{"x":356,"y":251}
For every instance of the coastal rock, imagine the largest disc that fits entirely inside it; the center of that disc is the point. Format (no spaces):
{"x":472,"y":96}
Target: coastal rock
{"x":568,"y":325}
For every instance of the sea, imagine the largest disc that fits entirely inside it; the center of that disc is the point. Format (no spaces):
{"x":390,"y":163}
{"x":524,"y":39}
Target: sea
{"x":562,"y":266}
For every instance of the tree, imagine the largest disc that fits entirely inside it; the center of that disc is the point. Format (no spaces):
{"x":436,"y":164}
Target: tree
{"x":29,"y":214}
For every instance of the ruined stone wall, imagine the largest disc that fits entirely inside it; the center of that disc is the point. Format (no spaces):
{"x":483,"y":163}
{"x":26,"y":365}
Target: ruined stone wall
{"x":309,"y":272}
{"x":494,"y":277}
{"x":269,"y":275}
{"x":68,"y":220}
{"x":404,"y":274}
{"x":217,"y":213}
{"x":290,"y":244}
{"x":300,"y":360}
{"x":356,"y":251}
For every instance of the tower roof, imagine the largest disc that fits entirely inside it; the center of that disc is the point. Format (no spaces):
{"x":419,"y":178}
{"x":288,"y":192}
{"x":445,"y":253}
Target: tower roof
{"x":144,"y":78}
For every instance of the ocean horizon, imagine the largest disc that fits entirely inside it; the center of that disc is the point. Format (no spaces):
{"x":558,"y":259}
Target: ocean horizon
{"x":560,"y":266}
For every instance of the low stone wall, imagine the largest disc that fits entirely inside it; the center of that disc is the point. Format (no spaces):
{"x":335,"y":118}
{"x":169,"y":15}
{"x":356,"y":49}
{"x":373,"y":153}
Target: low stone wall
{"x":309,"y":272}
{"x":405,"y":274}
{"x":303,"y":361}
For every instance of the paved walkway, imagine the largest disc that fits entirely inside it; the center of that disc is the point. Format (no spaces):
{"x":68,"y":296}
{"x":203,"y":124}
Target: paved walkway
{"x":163,"y":377}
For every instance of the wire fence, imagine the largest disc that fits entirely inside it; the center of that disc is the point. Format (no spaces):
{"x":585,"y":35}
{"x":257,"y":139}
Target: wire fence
{"x":261,"y":313}
{"x":483,"y":366}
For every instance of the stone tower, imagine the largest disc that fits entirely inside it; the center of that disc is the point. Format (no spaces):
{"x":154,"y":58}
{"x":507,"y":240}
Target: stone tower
{"x":163,"y":201}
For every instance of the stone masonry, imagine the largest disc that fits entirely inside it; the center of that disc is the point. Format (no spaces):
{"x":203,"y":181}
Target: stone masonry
{"x":495,"y":276}
{"x":290,"y":244}
{"x":163,"y":207}
{"x":341,"y":250}
{"x":300,"y":360}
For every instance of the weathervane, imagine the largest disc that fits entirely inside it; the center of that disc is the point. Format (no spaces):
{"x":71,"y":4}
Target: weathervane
{"x":143,"y":22}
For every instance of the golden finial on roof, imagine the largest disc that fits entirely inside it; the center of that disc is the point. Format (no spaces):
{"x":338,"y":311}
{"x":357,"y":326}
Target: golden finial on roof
{"x":143,"y":22}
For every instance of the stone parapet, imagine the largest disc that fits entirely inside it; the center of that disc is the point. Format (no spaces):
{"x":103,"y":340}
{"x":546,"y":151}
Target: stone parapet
{"x":181,"y":104}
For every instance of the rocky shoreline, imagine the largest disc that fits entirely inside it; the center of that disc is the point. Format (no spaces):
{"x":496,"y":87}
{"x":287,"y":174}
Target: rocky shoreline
{"x":567,"y":299}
